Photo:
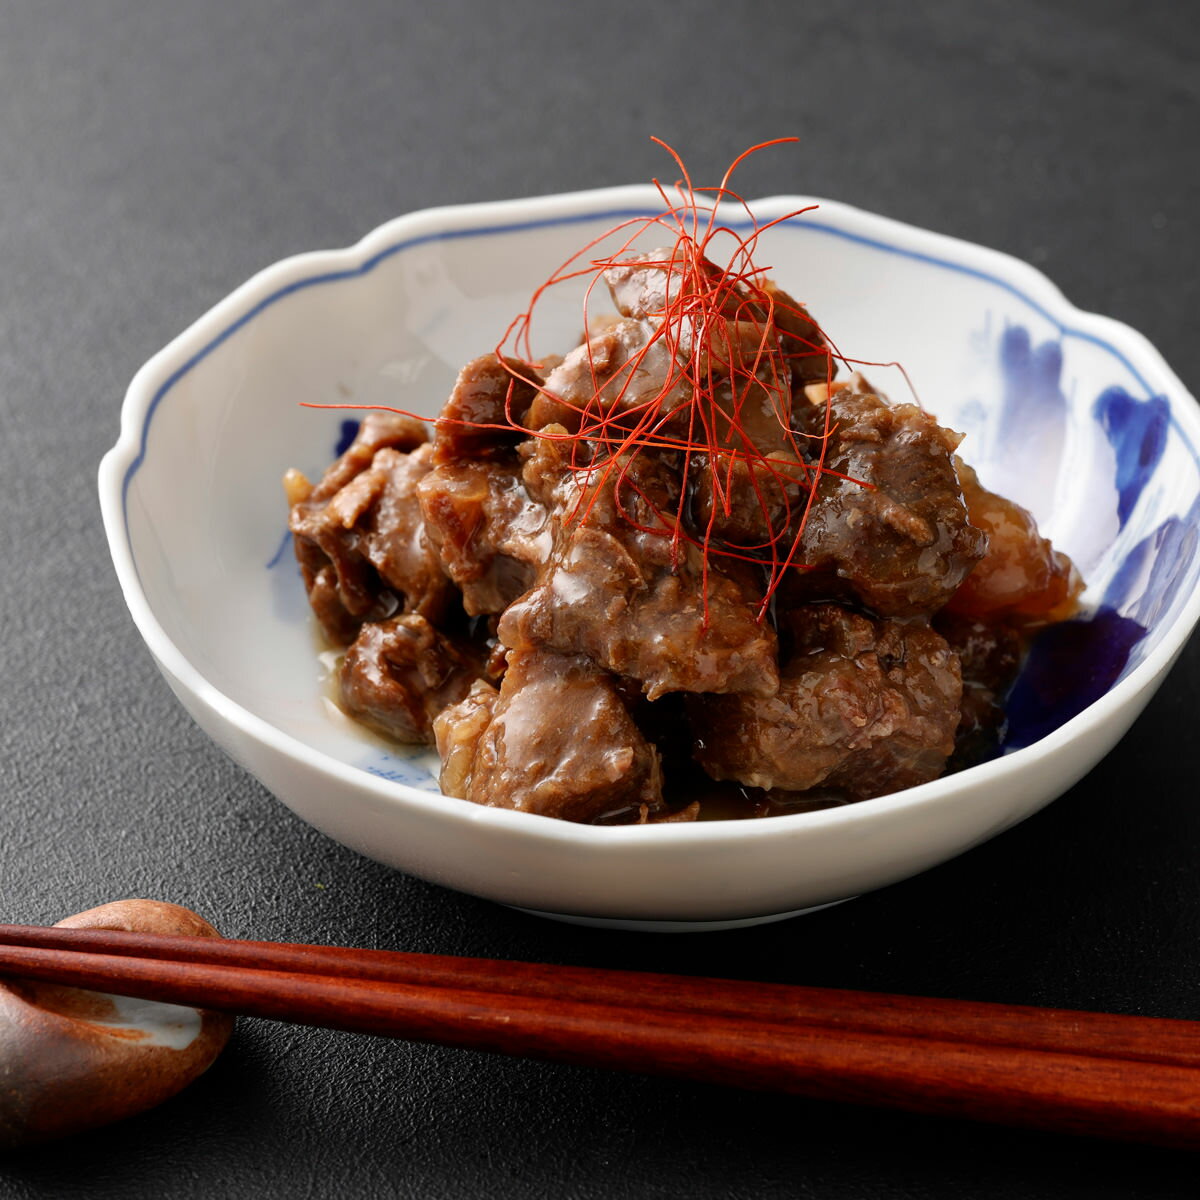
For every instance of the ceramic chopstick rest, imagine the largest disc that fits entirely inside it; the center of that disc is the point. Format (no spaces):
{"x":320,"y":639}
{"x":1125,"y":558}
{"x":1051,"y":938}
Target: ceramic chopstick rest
{"x":72,"y":1059}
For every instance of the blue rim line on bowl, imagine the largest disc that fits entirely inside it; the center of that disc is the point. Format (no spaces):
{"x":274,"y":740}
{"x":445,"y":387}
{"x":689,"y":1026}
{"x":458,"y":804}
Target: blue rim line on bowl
{"x":612,"y":216}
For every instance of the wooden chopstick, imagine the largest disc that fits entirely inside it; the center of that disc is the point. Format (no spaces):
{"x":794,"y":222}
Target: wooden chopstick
{"x":1091,"y":1073}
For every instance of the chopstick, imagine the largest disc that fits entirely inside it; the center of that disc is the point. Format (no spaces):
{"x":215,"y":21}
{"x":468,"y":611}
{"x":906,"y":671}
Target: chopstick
{"x":1134,"y":1078}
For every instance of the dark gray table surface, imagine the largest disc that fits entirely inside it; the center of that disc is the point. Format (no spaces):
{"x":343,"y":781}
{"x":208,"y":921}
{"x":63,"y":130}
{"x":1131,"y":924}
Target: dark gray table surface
{"x":153,"y":155}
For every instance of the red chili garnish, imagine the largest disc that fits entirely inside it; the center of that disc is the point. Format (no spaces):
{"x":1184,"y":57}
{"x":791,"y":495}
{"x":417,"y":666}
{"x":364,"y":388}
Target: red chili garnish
{"x":719,"y":326}
{"x":711,"y":287}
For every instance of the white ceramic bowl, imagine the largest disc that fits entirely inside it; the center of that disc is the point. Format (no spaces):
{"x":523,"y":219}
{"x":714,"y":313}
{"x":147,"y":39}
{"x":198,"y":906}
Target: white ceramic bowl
{"x":1072,"y":414}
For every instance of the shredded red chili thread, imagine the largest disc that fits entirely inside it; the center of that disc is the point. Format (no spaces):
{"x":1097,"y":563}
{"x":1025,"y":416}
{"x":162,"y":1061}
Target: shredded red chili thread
{"x":718,"y":329}
{"x":723,"y":333}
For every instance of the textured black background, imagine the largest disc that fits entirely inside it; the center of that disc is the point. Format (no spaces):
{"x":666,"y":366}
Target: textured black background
{"x":153,"y":155}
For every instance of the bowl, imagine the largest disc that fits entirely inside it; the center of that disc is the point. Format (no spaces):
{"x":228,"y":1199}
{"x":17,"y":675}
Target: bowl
{"x":1072,"y":414}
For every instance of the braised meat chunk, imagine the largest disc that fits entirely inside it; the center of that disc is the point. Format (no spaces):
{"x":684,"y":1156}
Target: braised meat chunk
{"x":624,"y":366}
{"x":990,"y":657}
{"x":746,"y":486}
{"x":1022,"y":580}
{"x":359,"y":534}
{"x":556,"y":739}
{"x":482,"y":418}
{"x":398,"y":675}
{"x":733,"y":374}
{"x":869,"y":706}
{"x":490,"y":535}
{"x":890,"y":522}
{"x":642,"y":286}
{"x":621,"y":589}
{"x":801,"y":340}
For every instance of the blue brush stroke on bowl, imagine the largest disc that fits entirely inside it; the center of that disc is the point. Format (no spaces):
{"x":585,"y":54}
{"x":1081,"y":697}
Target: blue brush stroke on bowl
{"x":1033,"y":399}
{"x":397,"y":770}
{"x":1075,"y":663}
{"x":1026,"y":421}
{"x":1070,"y":666}
{"x":349,"y":432}
{"x":1137,"y":432}
{"x":280,"y":551}
{"x":1153,"y":573}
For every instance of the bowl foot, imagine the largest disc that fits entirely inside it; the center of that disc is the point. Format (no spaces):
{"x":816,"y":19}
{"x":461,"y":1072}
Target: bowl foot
{"x":640,"y":926}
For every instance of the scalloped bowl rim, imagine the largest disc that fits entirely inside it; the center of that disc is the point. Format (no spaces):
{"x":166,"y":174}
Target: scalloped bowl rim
{"x":159,"y":373}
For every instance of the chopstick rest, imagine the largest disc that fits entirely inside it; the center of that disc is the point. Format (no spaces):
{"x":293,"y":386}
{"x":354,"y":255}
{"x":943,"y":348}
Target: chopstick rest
{"x":72,"y":1059}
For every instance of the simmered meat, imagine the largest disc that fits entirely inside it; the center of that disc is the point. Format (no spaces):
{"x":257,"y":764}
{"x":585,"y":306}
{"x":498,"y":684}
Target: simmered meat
{"x":990,"y":656}
{"x":746,"y":505}
{"x":556,"y":739}
{"x":359,"y":534}
{"x":801,"y":339}
{"x":621,"y":367}
{"x":731,"y":390}
{"x":749,"y":494}
{"x":393,"y":535}
{"x":399,"y":674}
{"x":491,"y":536}
{"x":1022,"y":580}
{"x":620,"y":589}
{"x":482,"y":417}
{"x":377,"y":430}
{"x":890,"y":522}
{"x":642,"y":285}
{"x":869,"y":706}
